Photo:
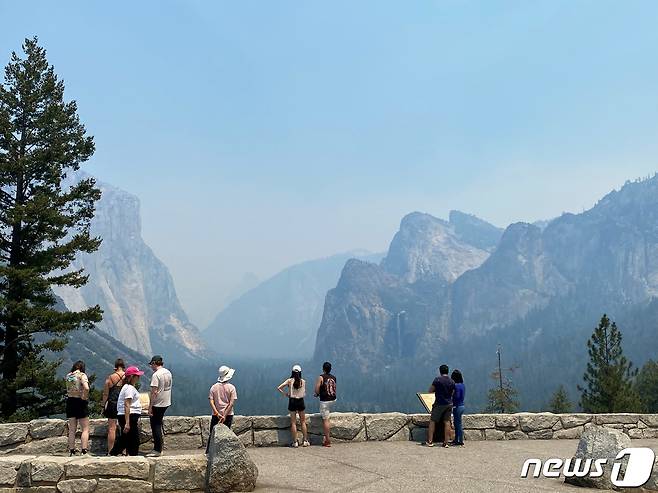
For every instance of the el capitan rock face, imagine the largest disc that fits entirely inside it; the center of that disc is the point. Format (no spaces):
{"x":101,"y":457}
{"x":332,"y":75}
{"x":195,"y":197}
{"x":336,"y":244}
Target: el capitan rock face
{"x":132,"y":286}
{"x":444,"y":289}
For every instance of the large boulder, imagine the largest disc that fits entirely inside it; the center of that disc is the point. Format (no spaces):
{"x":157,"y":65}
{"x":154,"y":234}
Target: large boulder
{"x":229,"y":466}
{"x":598,"y":442}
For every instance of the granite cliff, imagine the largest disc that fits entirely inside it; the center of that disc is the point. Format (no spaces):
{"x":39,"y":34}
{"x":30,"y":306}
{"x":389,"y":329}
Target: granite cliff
{"x":132,"y":286}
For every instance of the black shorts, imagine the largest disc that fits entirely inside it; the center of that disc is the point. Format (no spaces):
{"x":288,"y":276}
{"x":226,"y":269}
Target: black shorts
{"x":77,"y":408}
{"x":441,"y":413}
{"x":296,"y":405}
{"x":110,"y":412}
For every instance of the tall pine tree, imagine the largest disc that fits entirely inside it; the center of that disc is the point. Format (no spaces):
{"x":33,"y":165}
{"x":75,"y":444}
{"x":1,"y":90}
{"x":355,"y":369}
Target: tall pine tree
{"x":609,"y":375}
{"x":43,"y":225}
{"x":646,"y":385}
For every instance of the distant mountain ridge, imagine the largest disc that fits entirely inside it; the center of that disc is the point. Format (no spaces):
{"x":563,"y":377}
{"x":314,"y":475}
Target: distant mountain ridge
{"x":132,"y":286}
{"x":279,"y":317}
{"x":539,"y":287}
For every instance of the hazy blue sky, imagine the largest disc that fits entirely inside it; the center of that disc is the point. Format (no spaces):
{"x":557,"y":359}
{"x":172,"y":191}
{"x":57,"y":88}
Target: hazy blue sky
{"x":261,"y":134}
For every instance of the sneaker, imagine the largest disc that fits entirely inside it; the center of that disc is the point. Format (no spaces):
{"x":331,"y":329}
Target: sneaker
{"x":326,"y":444}
{"x":84,"y":451}
{"x":154,"y":453}
{"x":428,"y":444}
{"x":306,"y":444}
{"x":294,"y":444}
{"x":73,"y":452}
{"x":445,"y":445}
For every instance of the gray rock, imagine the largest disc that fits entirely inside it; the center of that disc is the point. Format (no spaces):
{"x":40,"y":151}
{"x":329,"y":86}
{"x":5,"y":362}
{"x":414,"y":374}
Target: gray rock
{"x":569,"y":433}
{"x":422,"y":420}
{"x":181,"y":424}
{"x":540,"y":434}
{"x":47,"y":446}
{"x":494,"y":435}
{"x":271,"y":422}
{"x":77,"y":485}
{"x":344,"y":426}
{"x":507,"y":422}
{"x":98,"y":428}
{"x":9,"y":468}
{"x":403,"y":435}
{"x":12,"y":433}
{"x":115,"y":485}
{"x":573,"y":420}
{"x":48,"y":469}
{"x":182,"y":441}
{"x":598,"y":442}
{"x":616,"y":419}
{"x":535,"y":422}
{"x":479,"y":421}
{"x":124,"y":467}
{"x":46,"y":428}
{"x":384,"y":426}
{"x":515,"y":435}
{"x":229,"y":466}
{"x":180,"y":472}
{"x":473,"y":435}
{"x":650,"y":420}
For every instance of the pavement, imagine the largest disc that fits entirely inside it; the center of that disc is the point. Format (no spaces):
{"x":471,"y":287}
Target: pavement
{"x":483,"y":466}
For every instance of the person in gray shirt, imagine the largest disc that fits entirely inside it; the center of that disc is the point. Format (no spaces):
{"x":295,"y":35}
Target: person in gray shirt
{"x":159,"y":402}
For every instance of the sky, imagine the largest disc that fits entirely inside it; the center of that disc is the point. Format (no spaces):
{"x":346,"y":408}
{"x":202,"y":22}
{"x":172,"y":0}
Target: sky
{"x":261,"y":134}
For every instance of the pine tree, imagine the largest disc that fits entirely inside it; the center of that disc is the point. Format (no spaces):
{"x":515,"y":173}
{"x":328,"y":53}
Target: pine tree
{"x":43,"y":225}
{"x":609,"y":375}
{"x":646,"y":386}
{"x":560,"y":402}
{"x":503,"y":397}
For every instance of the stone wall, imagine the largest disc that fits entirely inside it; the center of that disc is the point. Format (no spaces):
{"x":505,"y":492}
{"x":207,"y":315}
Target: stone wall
{"x":48,"y":474}
{"x":49,"y":436}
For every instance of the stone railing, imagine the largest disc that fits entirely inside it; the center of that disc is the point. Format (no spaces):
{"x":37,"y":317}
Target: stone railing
{"x":49,"y":436}
{"x":46,"y":474}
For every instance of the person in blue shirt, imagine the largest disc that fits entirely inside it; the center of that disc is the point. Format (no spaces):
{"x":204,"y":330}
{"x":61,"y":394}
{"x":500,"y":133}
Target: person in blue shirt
{"x":458,"y":406}
{"x":443,"y":388}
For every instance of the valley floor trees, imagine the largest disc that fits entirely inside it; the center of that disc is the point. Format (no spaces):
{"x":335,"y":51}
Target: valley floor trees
{"x":43,"y":225}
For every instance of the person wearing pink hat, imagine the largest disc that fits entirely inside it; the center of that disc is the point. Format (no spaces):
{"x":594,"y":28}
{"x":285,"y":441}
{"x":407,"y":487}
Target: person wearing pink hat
{"x":129,"y":409}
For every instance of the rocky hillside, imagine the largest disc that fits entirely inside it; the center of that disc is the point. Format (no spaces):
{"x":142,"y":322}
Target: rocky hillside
{"x":539,"y":289}
{"x":279,"y":317}
{"x":132,"y":286}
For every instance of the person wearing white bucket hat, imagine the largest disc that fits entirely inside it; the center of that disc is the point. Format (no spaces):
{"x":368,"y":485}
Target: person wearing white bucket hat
{"x":222,"y":397}
{"x":296,"y":392}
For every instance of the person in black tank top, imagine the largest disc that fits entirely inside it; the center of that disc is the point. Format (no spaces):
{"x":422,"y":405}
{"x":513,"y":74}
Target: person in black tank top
{"x":325,"y":389}
{"x":111,"y":391}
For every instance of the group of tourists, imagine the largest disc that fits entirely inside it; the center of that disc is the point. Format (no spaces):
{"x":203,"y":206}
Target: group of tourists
{"x":223,"y":394}
{"x":121,"y":404}
{"x":449,"y":393}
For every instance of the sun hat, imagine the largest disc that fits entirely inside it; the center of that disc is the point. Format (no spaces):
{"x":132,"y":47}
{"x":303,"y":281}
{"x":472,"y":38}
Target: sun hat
{"x":133,"y":370}
{"x":225,"y":374}
{"x":297,"y":368}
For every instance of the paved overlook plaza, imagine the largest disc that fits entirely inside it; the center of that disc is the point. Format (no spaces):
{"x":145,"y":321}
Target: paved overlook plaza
{"x":380,"y":467}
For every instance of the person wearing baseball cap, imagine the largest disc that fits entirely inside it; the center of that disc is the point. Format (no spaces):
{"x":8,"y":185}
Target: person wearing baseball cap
{"x":296,"y":391}
{"x":160,"y":400}
{"x":129,"y":409}
{"x":222,"y":397}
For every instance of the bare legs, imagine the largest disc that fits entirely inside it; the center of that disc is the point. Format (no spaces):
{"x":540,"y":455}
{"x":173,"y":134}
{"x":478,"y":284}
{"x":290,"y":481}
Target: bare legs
{"x":73,"y":427}
{"x":293,"y":425}
{"x":111,"y":433}
{"x":302,"y":419}
{"x":326,"y":428}
{"x":430,"y":431}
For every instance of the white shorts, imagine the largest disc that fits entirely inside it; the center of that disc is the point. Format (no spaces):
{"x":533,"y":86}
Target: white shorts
{"x":325,"y":408}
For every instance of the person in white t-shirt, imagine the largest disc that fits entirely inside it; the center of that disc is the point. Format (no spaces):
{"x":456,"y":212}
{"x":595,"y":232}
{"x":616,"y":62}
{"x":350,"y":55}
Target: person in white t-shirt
{"x":159,"y":402}
{"x":129,"y":409}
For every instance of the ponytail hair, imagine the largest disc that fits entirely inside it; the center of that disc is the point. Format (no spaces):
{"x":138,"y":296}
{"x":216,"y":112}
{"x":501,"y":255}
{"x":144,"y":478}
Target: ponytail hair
{"x":297,"y":377}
